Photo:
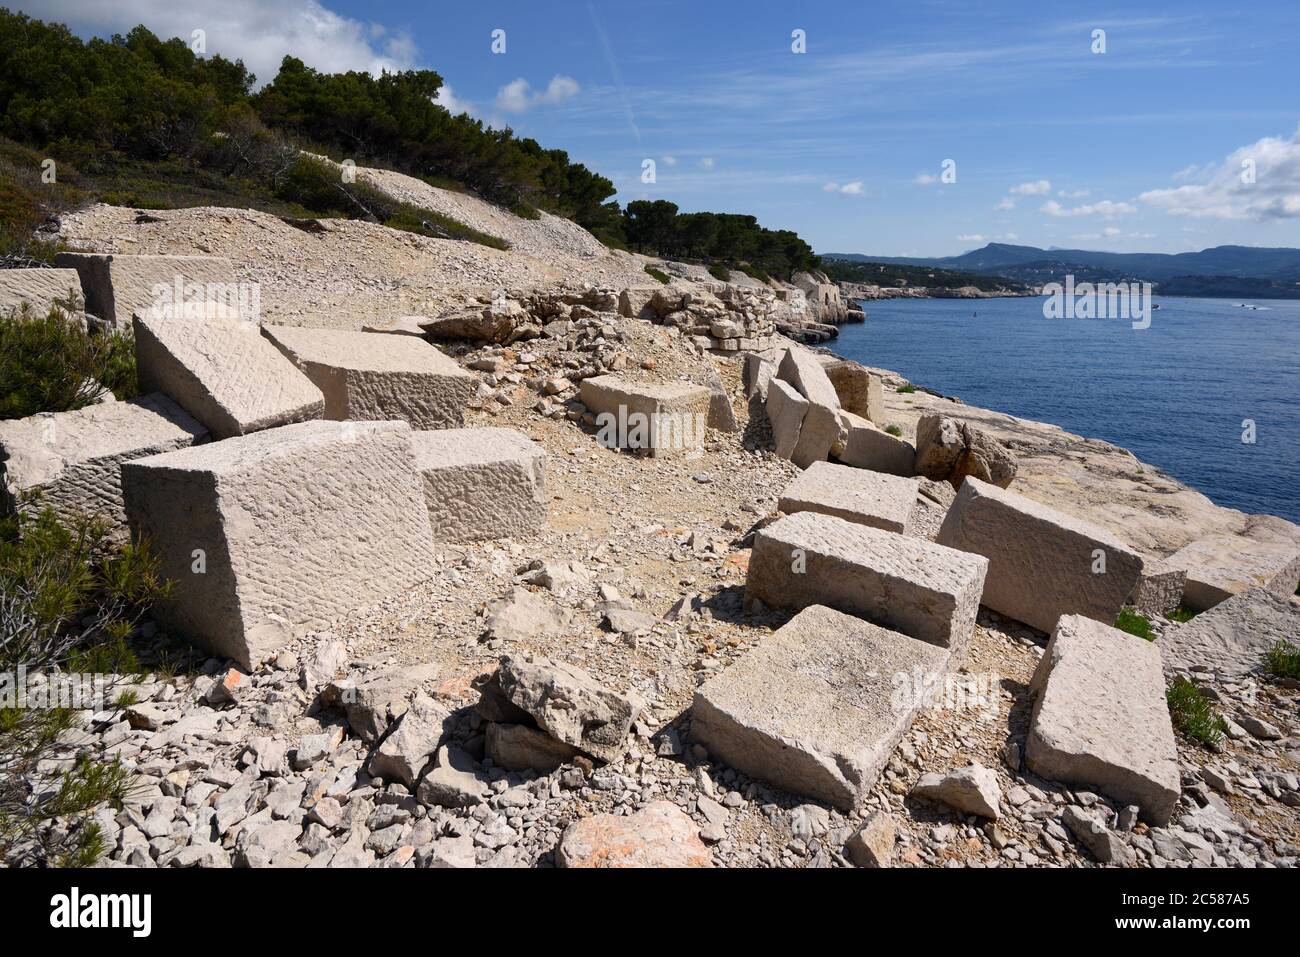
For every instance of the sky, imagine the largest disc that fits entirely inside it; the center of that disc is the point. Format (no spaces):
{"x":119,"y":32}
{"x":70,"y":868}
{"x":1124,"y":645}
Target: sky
{"x":922,"y":128}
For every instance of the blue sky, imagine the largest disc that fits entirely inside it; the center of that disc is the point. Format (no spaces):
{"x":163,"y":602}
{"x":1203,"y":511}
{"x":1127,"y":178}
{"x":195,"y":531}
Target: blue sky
{"x":1139,"y":148}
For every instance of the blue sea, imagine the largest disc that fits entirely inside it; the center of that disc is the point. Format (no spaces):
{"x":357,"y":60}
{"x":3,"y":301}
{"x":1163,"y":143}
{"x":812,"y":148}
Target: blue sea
{"x":1175,"y":394}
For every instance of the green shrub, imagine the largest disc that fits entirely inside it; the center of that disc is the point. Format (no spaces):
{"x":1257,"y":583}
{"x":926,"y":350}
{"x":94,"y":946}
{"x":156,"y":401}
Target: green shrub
{"x":720,"y":272}
{"x":1134,"y":623}
{"x":49,"y":363}
{"x":1181,"y":615}
{"x":893,"y":430}
{"x":907,"y":389}
{"x":1193,"y":715}
{"x":1282,"y":660}
{"x":658,"y":274}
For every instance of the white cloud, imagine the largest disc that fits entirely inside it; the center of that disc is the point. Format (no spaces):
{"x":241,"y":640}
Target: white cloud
{"x":848,"y":189}
{"x":449,"y":101}
{"x":259,"y":32}
{"x":1004,"y":204}
{"x":706,"y":162}
{"x":925,"y":179}
{"x":1038,"y":187}
{"x":518,"y":95}
{"x":1256,"y":182}
{"x":971,"y":238}
{"x":1104,"y":208}
{"x":669,"y":161}
{"x":1073,"y":193}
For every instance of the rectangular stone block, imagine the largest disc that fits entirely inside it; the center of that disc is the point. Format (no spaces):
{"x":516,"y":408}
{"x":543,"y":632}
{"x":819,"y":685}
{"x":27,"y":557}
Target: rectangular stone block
{"x":802,"y":370}
{"x":282,"y":529}
{"x":1100,"y":717}
{"x":910,"y":585}
{"x":859,"y":391}
{"x":118,"y":287}
{"x":1159,"y":589}
{"x":786,"y":409}
{"x":481,"y":483}
{"x":39,"y":288}
{"x":867,"y":447}
{"x":373,"y":377}
{"x":1221,"y":566}
{"x":814,"y":708}
{"x":1042,"y":563}
{"x":224,"y":373}
{"x":756,"y":374}
{"x":73,"y":458}
{"x":855,"y":495}
{"x":660,"y":419}
{"x":1231,"y":638}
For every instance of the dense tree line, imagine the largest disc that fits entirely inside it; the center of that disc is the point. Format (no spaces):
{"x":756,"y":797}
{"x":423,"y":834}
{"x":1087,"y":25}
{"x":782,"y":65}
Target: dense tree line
{"x":656,"y":226}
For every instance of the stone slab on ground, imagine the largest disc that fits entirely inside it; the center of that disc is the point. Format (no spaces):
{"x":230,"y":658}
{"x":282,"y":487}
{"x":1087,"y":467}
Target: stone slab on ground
{"x":661,"y":419}
{"x":224,"y":373}
{"x":481,"y":483}
{"x":1100,"y":717}
{"x":812,"y":708}
{"x":119,"y":287}
{"x":915,"y":587}
{"x":1042,"y":563}
{"x":379,"y":377}
{"x":283,"y":529}
{"x":855,"y":495}
{"x":40,"y":288}
{"x":1159,"y":589}
{"x":1221,"y":566}
{"x":867,"y":447}
{"x":1232,"y":636}
{"x":658,"y":835}
{"x":73,"y":458}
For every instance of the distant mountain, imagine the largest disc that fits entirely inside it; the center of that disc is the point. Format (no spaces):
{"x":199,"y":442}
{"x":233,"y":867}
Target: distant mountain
{"x":1271,"y":271}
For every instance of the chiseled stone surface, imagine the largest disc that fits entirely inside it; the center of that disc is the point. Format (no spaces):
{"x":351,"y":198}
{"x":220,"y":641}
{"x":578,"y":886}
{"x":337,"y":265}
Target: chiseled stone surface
{"x":1100,"y":717}
{"x":73,"y":458}
{"x":119,"y":287}
{"x":662,"y":419}
{"x":295,"y":526}
{"x":786,"y":410}
{"x":859,"y":391}
{"x":379,"y":377}
{"x":867,"y":447}
{"x":1232,"y":636}
{"x":40,"y":288}
{"x":855,"y":495}
{"x":658,"y":835}
{"x":1159,"y":589}
{"x":224,"y":373}
{"x":820,"y":426}
{"x":481,"y":483}
{"x":1041,"y":561}
{"x":813,"y":708}
{"x":1221,"y":566}
{"x":913,"y":586}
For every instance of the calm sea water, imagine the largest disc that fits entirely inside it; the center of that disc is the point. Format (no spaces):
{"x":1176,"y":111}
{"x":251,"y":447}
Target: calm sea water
{"x":1175,"y":394}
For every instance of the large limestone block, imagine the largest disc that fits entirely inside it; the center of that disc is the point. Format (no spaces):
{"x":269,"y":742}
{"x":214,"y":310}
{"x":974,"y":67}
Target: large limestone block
{"x":786,"y":410}
{"x":907,"y":584}
{"x":815,"y":707}
{"x":224,"y":373}
{"x":820,"y":428}
{"x":1232,"y":637}
{"x":939,"y":446}
{"x":1221,"y":566}
{"x":375,"y":378}
{"x":855,"y":495}
{"x":1159,"y":589}
{"x":282,"y":529}
{"x":481,"y":483}
{"x":72,"y":458}
{"x":859,"y":391}
{"x":661,"y":419}
{"x":40,"y":288}
{"x":867,"y":447}
{"x":1042,"y":563}
{"x":119,"y":287}
{"x":1100,"y":717}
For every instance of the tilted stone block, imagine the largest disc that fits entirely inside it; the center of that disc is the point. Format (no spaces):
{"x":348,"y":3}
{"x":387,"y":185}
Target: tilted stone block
{"x":1221,"y":566}
{"x":756,"y":374}
{"x":1232,"y":637}
{"x":907,"y":584}
{"x":374,"y":378}
{"x":119,"y":287}
{"x":867,"y":447}
{"x":224,"y":373}
{"x":481,"y":483}
{"x":855,"y":495}
{"x":817,"y":707}
{"x":1159,"y":589}
{"x":661,"y":419}
{"x":282,"y":529}
{"x":1042,"y":563}
{"x":1100,"y":718}
{"x":40,"y":288}
{"x":72,"y":458}
{"x":859,"y":391}
{"x":786,"y":409}
{"x":802,"y":370}
{"x":820,"y":428}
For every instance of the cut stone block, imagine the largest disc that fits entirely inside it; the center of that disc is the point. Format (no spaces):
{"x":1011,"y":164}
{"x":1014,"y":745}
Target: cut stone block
{"x":1221,"y":566}
{"x":859,"y":391}
{"x":374,"y":378}
{"x":786,"y":409}
{"x":939,"y":446}
{"x":481,"y":483}
{"x":662,"y":419}
{"x":1232,"y":636}
{"x":281,"y":529}
{"x":40,"y":288}
{"x":721,"y":415}
{"x":756,"y":374}
{"x":867,"y":447}
{"x":803,"y":371}
{"x":1100,"y":717}
{"x":855,"y":495}
{"x":814,"y":708}
{"x":119,"y":287}
{"x":1159,"y":589}
{"x":1042,"y":563}
{"x":910,"y":585}
{"x":72,"y":458}
{"x":224,"y":373}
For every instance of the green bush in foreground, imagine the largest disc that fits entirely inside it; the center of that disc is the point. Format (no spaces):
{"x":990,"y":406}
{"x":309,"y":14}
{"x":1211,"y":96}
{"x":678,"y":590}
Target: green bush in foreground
{"x":658,"y":274}
{"x":1181,"y":615}
{"x":1193,"y":715}
{"x":1134,"y":623}
{"x":49,"y":363}
{"x":1283,"y":660}
{"x":894,"y":430}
